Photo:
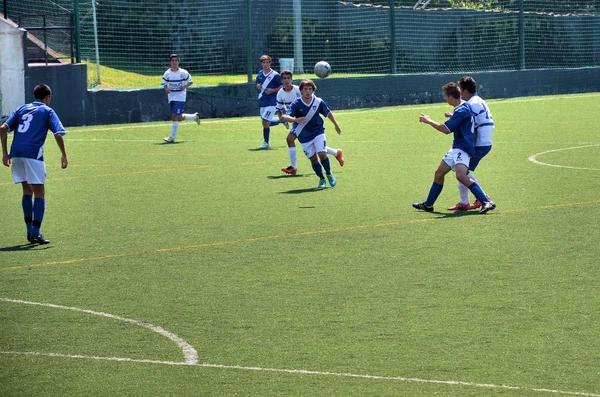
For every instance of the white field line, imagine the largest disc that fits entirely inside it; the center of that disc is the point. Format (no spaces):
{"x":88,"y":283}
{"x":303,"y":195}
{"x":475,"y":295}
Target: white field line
{"x":533,"y":158}
{"x":190,"y":354}
{"x":305,"y":372}
{"x":191,"y":358}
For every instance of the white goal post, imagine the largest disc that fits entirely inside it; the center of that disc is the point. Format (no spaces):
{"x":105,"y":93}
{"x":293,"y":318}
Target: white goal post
{"x":12,"y":67}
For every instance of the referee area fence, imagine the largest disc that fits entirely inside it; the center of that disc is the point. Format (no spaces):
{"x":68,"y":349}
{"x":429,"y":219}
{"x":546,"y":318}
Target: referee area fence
{"x":126,"y":44}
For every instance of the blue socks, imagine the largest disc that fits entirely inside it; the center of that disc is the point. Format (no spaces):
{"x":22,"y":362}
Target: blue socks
{"x":478,"y":192}
{"x":27,"y":204}
{"x":266,"y":133}
{"x":434,"y":193}
{"x":39,"y":206}
{"x":274,"y":122}
{"x":318,"y":170}
{"x":327,"y":165}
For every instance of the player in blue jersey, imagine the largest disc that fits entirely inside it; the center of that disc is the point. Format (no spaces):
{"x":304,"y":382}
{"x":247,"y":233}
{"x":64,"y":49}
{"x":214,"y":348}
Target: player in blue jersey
{"x":268,"y":83}
{"x":30,"y":124}
{"x":484,"y":127}
{"x":308,"y":126}
{"x":176,"y":81}
{"x":457,"y":159}
{"x":288,"y":94}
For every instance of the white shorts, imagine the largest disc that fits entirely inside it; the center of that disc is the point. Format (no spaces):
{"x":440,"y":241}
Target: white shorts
{"x":318,"y":144}
{"x":268,"y":112}
{"x":28,"y":170}
{"x":456,"y":156}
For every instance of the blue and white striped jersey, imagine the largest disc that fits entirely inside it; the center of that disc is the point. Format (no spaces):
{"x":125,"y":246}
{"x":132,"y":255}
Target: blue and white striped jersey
{"x":175,"y":80}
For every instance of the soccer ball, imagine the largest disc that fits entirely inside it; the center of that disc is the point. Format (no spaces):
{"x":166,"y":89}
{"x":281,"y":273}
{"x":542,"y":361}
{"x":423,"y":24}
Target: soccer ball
{"x":322,"y":69}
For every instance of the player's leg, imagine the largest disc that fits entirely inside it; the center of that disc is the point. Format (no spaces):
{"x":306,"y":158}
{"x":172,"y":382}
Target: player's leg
{"x":292,"y":153}
{"x":320,"y":142}
{"x":337,"y":153}
{"x":438,"y":183}
{"x":266,"y":115}
{"x":36,"y":178}
{"x":176,"y":117}
{"x":191,"y":116}
{"x":27,"y":205}
{"x":461,"y":175}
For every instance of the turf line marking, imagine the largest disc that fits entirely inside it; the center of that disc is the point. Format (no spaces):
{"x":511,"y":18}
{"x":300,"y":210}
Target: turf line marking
{"x":275,"y":237}
{"x":533,"y":158}
{"x":190,"y":355}
{"x":305,"y":372}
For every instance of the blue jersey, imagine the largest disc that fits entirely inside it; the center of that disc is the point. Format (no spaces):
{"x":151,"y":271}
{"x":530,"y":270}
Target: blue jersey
{"x":31,"y":123}
{"x":265,"y":100}
{"x":314,"y":126}
{"x":462,"y":126}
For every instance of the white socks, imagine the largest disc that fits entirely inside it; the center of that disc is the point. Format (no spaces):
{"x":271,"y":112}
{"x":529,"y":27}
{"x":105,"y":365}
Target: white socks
{"x":331,"y":151}
{"x":187,"y":116}
{"x":174,"y":129}
{"x":292,"y":153}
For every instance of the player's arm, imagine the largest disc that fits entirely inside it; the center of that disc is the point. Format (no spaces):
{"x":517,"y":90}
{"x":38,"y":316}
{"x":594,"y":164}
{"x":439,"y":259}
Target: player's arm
{"x":4,"y":140}
{"x":61,"y":145}
{"x":440,"y":127}
{"x":331,"y":117}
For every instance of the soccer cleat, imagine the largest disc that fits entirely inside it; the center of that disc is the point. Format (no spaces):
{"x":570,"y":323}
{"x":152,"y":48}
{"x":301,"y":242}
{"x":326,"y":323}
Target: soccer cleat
{"x":322,"y":184}
{"x":39,"y":240}
{"x":460,"y":206}
{"x":487,"y":206}
{"x":423,"y":207}
{"x":264,"y":145}
{"x":29,"y":236}
{"x":289,"y":170}
{"x":331,"y":179}
{"x":287,"y":125}
{"x":476,"y":204}
{"x":168,"y":140}
{"x":197,"y":118}
{"x":340,"y":158}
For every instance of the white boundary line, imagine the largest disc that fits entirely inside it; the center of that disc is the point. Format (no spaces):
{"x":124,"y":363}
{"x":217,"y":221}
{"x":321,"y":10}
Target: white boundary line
{"x":533,"y":158}
{"x":190,"y":354}
{"x":191,"y":358}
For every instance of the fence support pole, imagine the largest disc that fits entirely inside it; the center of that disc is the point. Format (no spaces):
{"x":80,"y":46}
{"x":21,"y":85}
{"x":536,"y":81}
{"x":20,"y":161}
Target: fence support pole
{"x":76,"y":17}
{"x":394,"y":67}
{"x":521,"y":35}
{"x":249,"y":41}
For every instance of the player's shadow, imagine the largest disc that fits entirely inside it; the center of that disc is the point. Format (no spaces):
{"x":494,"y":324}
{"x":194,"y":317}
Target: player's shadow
{"x":300,"y":191}
{"x":261,"y":150}
{"x":455,"y":214}
{"x":24,"y":247}
{"x":287,"y":176}
{"x":163,"y":143}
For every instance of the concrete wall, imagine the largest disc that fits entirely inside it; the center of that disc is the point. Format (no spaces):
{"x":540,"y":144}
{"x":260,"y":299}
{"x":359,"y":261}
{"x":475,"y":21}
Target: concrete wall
{"x":78,"y":106}
{"x":12,"y":68}
{"x":115,"y":107}
{"x":69,"y":89}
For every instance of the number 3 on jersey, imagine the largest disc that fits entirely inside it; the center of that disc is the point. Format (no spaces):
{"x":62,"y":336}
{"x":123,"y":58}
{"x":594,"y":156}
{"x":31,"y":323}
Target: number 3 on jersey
{"x":26,"y":123}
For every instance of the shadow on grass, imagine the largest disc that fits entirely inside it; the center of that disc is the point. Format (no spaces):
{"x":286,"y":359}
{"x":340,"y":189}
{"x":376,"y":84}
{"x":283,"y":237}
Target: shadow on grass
{"x":456,"y":214}
{"x":262,"y":150}
{"x":163,"y":143}
{"x":285,"y":176}
{"x":24,"y":247}
{"x":300,"y":191}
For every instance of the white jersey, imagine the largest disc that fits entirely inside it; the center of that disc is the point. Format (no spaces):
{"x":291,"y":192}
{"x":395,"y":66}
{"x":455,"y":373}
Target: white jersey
{"x":174,"y":80}
{"x":285,"y":98}
{"x":484,"y":122}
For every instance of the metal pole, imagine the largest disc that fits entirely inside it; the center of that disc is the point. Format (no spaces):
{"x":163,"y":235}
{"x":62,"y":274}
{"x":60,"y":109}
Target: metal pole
{"x":521,"y":35}
{"x":96,"y":40}
{"x":77,"y":44}
{"x":394,"y":67}
{"x":249,"y":41}
{"x":298,"y":54}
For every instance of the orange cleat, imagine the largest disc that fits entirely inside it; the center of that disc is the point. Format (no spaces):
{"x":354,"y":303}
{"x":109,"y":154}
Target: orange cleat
{"x":289,"y":170}
{"x":340,"y":158}
{"x":460,"y":206}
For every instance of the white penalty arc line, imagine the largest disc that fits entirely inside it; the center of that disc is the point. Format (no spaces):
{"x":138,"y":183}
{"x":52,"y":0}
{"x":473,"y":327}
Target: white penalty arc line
{"x":190,"y":354}
{"x":533,"y":158}
{"x":304,"y":372}
{"x":191,"y":358}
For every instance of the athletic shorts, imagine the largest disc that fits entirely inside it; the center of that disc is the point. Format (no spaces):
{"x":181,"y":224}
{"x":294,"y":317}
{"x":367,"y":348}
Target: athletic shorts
{"x":27,"y":170}
{"x":317,"y":145}
{"x":268,"y":112}
{"x":480,"y":152}
{"x":177,"y":107}
{"x":456,"y":156}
